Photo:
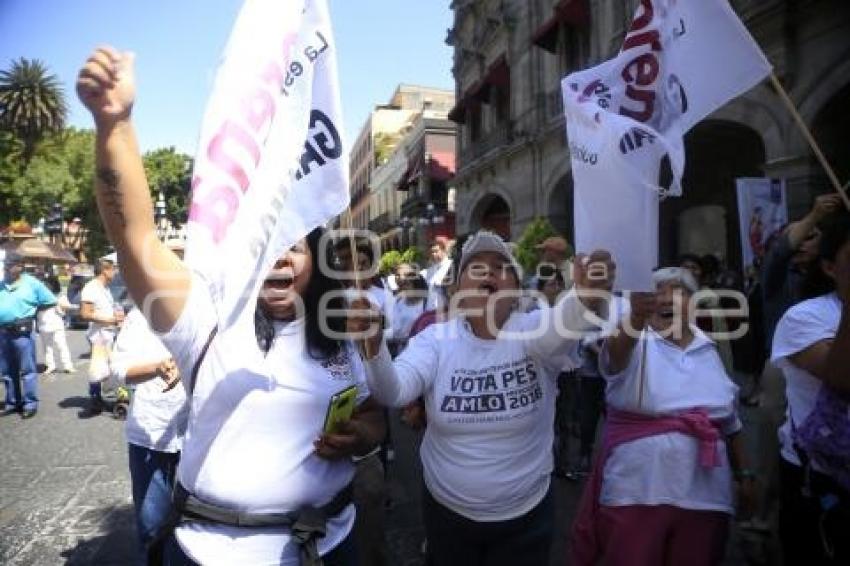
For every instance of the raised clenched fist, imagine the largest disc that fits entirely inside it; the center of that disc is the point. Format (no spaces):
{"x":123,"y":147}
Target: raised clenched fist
{"x":106,"y":86}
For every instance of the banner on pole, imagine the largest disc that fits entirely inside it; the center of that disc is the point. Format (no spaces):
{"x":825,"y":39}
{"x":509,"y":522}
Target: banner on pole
{"x":762,"y":214}
{"x":626,"y":117}
{"x":271,"y":163}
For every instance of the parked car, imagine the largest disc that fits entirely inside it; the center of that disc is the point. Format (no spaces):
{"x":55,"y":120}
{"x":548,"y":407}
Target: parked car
{"x":81,"y":276}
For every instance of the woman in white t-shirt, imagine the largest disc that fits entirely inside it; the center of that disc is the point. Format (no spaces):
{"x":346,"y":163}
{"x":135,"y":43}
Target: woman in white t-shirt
{"x":811,"y":346}
{"x":155,"y":423}
{"x":487,"y":377}
{"x":661,"y":491}
{"x":251,"y":441}
{"x":257,"y":474}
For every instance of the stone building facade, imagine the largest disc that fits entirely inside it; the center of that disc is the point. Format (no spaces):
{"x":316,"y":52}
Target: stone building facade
{"x":384,"y":128}
{"x":513,"y":166}
{"x":410,"y":202}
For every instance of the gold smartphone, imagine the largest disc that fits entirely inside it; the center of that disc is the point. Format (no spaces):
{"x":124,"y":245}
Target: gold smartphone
{"x":340,"y":409}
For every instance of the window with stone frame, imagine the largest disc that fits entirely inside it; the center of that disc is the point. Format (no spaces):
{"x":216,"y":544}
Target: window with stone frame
{"x":573,"y":50}
{"x":474,"y":122}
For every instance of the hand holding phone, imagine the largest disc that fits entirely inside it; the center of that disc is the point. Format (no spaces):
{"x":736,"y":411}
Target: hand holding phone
{"x":340,"y":409}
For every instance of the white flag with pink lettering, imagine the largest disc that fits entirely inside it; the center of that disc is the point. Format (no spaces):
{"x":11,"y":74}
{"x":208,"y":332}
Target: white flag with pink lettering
{"x":680,"y":61}
{"x":271,"y":163}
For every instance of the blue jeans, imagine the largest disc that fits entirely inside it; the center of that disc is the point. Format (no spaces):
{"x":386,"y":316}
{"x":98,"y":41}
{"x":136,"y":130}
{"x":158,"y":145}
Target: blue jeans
{"x":152,"y":477}
{"x":17,"y":364}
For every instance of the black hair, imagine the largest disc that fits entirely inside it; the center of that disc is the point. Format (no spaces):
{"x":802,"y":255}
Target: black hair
{"x":418,"y":283}
{"x":52,"y":283}
{"x":319,"y":345}
{"x":361,"y":245}
{"x":835,"y":233}
{"x":544,"y":278}
{"x":710,"y":267}
{"x":690,"y":257}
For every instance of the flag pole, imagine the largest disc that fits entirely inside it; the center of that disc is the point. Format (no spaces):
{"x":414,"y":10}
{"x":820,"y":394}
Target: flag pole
{"x":367,"y":350}
{"x":783,"y":94}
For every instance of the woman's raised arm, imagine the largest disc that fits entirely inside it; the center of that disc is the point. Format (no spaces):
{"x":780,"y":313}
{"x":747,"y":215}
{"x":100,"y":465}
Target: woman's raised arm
{"x":156,"y":278}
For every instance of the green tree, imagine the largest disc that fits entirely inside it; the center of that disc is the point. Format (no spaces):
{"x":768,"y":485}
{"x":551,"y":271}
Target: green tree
{"x":62,"y":170}
{"x":411,"y":255}
{"x":526,"y":253}
{"x":170,"y":172}
{"x":384,"y":144}
{"x":32,"y":104}
{"x":10,"y":168}
{"x":393,"y":258}
{"x":389,"y":261}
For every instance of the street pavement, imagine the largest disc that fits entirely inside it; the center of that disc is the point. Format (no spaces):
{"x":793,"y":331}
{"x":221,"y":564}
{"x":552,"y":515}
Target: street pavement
{"x":65,"y":487}
{"x":64,"y":484}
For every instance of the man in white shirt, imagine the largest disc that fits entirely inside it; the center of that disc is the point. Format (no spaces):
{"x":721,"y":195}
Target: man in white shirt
{"x":555,"y":251}
{"x":51,"y":329}
{"x":99,"y":308}
{"x":436,"y":273}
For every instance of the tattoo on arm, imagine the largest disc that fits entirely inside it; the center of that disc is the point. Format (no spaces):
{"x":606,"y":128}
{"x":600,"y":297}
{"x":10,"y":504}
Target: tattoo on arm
{"x":112,"y":196}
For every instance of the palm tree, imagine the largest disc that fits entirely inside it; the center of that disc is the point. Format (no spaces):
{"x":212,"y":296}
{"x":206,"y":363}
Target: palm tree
{"x":32,"y":103}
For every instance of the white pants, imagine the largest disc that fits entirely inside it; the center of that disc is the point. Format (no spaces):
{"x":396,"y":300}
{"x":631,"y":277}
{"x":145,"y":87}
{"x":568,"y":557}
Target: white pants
{"x":56,"y":340}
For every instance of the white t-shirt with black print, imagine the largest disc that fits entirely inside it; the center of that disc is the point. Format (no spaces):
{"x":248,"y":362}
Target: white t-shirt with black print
{"x":252,"y":423}
{"x":487,"y":450}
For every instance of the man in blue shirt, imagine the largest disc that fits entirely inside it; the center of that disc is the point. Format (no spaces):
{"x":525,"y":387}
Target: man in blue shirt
{"x":21,"y":296}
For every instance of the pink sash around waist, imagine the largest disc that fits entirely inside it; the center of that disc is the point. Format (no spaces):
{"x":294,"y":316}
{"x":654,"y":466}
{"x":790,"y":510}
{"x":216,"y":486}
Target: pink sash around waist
{"x":622,"y":427}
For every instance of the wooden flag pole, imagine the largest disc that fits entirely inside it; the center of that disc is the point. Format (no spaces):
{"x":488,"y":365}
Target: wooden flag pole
{"x":783,"y":94}
{"x":367,"y":349}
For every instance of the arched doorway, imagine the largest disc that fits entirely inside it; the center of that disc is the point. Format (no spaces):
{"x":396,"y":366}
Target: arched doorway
{"x":830,"y":129}
{"x":560,"y":207}
{"x":493,"y":213}
{"x":705,"y":218}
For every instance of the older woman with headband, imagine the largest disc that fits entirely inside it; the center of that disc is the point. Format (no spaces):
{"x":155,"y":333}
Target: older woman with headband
{"x":487,"y":377}
{"x":661,"y":491}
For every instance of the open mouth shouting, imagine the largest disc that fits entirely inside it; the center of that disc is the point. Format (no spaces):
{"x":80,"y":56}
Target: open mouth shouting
{"x":280,"y":279}
{"x":487,"y":289}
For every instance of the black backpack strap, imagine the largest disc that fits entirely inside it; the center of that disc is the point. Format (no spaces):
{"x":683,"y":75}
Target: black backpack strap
{"x":197,"y":367}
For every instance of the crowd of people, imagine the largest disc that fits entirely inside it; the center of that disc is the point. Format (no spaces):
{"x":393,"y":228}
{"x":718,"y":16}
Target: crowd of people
{"x":234,"y":457}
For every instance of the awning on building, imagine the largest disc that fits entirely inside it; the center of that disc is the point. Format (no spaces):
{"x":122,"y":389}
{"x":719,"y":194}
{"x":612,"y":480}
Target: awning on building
{"x":467,"y":99}
{"x":413,"y":172}
{"x":497,"y":74}
{"x":441,"y":167}
{"x":566,"y":12}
